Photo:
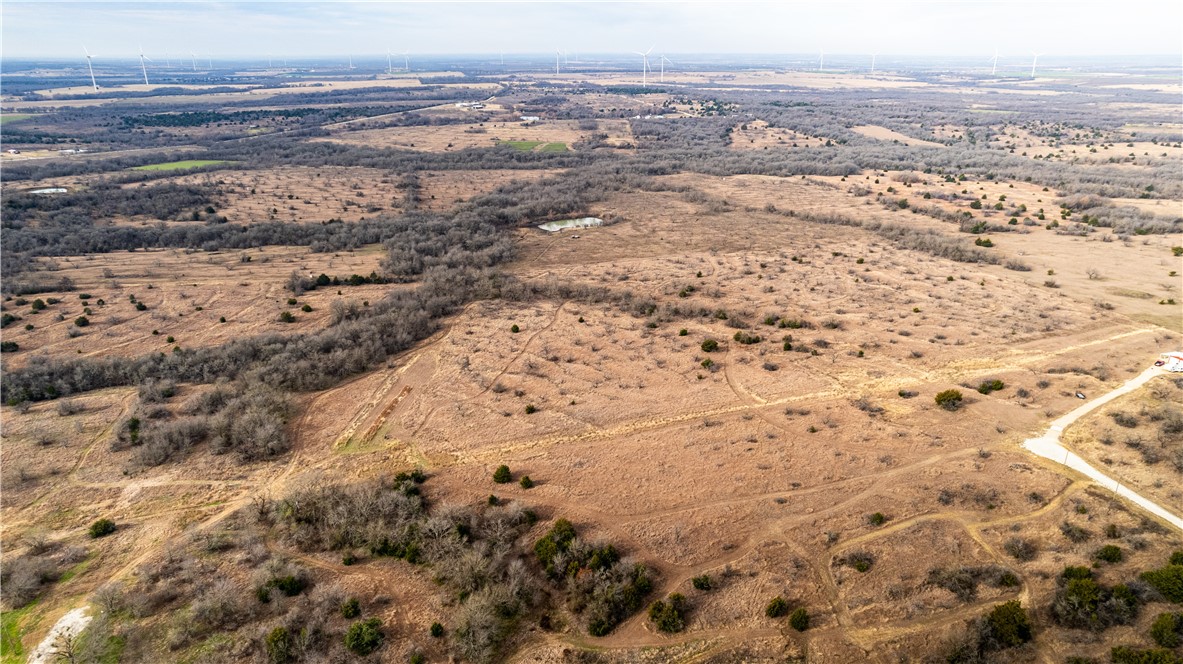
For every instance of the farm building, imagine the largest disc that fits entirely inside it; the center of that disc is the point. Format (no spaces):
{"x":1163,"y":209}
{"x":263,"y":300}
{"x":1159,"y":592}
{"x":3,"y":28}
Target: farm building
{"x":1172,"y":361}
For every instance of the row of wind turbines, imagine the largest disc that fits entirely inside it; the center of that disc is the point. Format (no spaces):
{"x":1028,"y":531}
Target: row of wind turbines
{"x":143,"y":64}
{"x":561,"y":59}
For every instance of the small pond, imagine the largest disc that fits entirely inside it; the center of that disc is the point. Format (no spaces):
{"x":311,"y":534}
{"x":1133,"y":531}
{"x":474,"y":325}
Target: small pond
{"x":583,"y":222}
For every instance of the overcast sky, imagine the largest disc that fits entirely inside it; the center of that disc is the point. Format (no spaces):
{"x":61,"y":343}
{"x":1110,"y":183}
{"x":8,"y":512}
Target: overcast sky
{"x":285,"y":28}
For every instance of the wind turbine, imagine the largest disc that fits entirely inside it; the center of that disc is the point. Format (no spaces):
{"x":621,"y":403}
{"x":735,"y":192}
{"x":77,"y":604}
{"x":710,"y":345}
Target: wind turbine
{"x":821,"y":60}
{"x":994,"y":63}
{"x":351,"y":61}
{"x":389,"y":62}
{"x":211,"y":61}
{"x":873,"y":56}
{"x":662,"y":61}
{"x":1034,"y":59}
{"x":89,"y":66}
{"x":143,"y":67}
{"x":644,"y":66}
{"x":269,"y":61}
{"x":557,"y":54}
{"x":407,"y":60}
{"x":194,"y":56}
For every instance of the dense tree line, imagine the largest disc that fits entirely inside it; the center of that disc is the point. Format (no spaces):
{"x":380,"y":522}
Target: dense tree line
{"x":199,"y":118}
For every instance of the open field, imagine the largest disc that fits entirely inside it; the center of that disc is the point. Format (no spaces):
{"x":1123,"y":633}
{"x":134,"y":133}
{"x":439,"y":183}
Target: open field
{"x":449,"y":138}
{"x":185,"y":296}
{"x":299,"y":193}
{"x":740,"y":382}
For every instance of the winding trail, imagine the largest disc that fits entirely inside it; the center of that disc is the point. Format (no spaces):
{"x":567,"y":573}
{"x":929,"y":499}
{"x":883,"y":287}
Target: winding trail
{"x":1048,"y":446}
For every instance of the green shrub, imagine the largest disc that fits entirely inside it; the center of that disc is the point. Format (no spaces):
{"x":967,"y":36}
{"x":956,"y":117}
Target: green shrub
{"x":746,"y":338}
{"x":683,"y":332}
{"x":350,"y":608}
{"x":502,"y":475}
{"x":989,"y":386}
{"x":531,"y":409}
{"x":1168,"y":581}
{"x":515,"y":329}
{"x":279,"y":646}
{"x":876,"y":519}
{"x":38,"y":304}
{"x":364,"y":636}
{"x":306,"y":308}
{"x":287,"y":317}
{"x":710,"y":346}
{"x":1167,"y":630}
{"x":701,"y":582}
{"x":670,"y":615}
{"x":1008,"y":626}
{"x":861,"y":561}
{"x":777,"y":607}
{"x":526,"y":482}
{"x":289,"y":585}
{"x":799,"y":619}
{"x":101,"y":528}
{"x":949,"y":399}
{"x":1177,"y":558}
{"x":1130,"y":655}
{"x":417,"y":658}
{"x":140,"y":306}
{"x":81,"y":321}
{"x":291,"y":301}
{"x":1109,"y":553}
{"x":557,"y":541}
{"x":437,"y":630}
{"x":9,"y":346}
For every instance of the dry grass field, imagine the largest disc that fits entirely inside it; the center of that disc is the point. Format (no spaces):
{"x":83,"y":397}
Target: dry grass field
{"x":522,"y":136}
{"x":300,"y":193}
{"x":733,"y":379}
{"x":186,"y":295}
{"x":759,"y":136}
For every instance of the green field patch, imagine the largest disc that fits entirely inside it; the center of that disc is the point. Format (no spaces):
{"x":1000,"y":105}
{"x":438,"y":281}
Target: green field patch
{"x":554,"y":147}
{"x":12,"y":651}
{"x":14,"y":117}
{"x":524,"y":146}
{"x":180,"y":165}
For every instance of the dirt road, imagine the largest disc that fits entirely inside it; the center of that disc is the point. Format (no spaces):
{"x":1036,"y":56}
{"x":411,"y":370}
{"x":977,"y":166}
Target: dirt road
{"x":1048,"y":446}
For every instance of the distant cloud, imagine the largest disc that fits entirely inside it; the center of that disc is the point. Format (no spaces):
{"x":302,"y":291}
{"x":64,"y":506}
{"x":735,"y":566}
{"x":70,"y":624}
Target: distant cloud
{"x":969,"y":28}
